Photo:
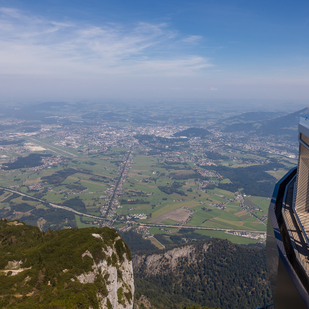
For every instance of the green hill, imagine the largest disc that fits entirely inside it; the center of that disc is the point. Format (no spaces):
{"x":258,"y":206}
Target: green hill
{"x":193,"y":132}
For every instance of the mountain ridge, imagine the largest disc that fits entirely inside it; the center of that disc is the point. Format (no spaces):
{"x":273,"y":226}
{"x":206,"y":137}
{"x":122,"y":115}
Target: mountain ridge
{"x":284,"y":124}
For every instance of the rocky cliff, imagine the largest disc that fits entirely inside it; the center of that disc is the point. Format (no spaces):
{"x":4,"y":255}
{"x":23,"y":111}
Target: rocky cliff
{"x":215,"y":273}
{"x":78,"y":268}
{"x":169,"y":261}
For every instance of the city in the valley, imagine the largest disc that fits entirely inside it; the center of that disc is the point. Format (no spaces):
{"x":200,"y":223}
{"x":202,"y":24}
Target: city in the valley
{"x":171,"y":174}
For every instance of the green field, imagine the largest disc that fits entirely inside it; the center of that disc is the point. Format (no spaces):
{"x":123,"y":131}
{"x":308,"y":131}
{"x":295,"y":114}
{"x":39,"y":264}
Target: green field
{"x":95,"y":174}
{"x":260,"y":205}
{"x":83,"y":225}
{"x":169,"y":221}
{"x":143,"y":195}
{"x":165,"y":190}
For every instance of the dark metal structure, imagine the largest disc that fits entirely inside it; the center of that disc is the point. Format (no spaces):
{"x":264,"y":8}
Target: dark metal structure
{"x":287,"y":246}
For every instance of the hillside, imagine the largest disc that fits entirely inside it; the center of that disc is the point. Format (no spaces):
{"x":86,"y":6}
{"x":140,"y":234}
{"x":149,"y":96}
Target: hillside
{"x":215,"y":273}
{"x":288,"y":122}
{"x":264,"y":123}
{"x":251,"y":116}
{"x":193,"y":132}
{"x":73,"y":268}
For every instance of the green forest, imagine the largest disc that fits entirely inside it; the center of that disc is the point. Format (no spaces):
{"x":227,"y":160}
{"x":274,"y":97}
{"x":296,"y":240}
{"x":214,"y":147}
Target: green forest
{"x":253,"y":179}
{"x":226,"y":276}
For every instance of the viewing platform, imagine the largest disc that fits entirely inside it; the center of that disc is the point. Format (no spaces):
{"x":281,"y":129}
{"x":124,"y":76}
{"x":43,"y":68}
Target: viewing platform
{"x":287,"y":246}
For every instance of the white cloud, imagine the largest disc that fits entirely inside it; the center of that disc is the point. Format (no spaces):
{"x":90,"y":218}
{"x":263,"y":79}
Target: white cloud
{"x":213,"y":89}
{"x":192,"y":38}
{"x":33,"y":45}
{"x":10,"y":12}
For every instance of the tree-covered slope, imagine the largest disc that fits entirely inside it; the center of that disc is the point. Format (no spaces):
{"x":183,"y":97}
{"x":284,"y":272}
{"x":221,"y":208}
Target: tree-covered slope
{"x":193,"y":132}
{"x":78,"y":268}
{"x":136,"y":242}
{"x":216,"y":273}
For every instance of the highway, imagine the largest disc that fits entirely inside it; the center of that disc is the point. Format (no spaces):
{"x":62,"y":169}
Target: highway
{"x":125,"y":161}
{"x":141,"y":224}
{"x":52,"y":204}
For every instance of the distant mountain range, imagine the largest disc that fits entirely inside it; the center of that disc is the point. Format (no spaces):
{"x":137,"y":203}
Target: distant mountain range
{"x":264,"y":123}
{"x":252,"y":116}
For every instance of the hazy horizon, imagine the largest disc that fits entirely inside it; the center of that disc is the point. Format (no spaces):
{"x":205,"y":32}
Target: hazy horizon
{"x":154,"y":51}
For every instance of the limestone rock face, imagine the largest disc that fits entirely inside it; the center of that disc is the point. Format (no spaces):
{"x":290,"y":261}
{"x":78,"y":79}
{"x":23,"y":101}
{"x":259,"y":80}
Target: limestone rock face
{"x":165,"y":262}
{"x":118,"y":278}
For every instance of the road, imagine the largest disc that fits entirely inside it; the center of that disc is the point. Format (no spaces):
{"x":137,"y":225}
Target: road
{"x":141,"y":224}
{"x":52,"y":204}
{"x":118,"y":182}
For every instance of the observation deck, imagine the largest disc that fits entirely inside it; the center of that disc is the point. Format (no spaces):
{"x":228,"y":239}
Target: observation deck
{"x":287,"y":246}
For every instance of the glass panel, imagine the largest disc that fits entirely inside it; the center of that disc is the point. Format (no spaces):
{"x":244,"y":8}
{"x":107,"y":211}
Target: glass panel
{"x":305,"y":139}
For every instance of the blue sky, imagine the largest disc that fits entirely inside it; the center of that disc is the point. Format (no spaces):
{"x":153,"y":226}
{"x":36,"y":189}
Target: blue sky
{"x":153,"y":50}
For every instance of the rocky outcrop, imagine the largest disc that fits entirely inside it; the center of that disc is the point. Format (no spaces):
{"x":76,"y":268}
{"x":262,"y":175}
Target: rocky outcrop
{"x":142,"y":302}
{"x":161,"y":263}
{"x":117,"y":278}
